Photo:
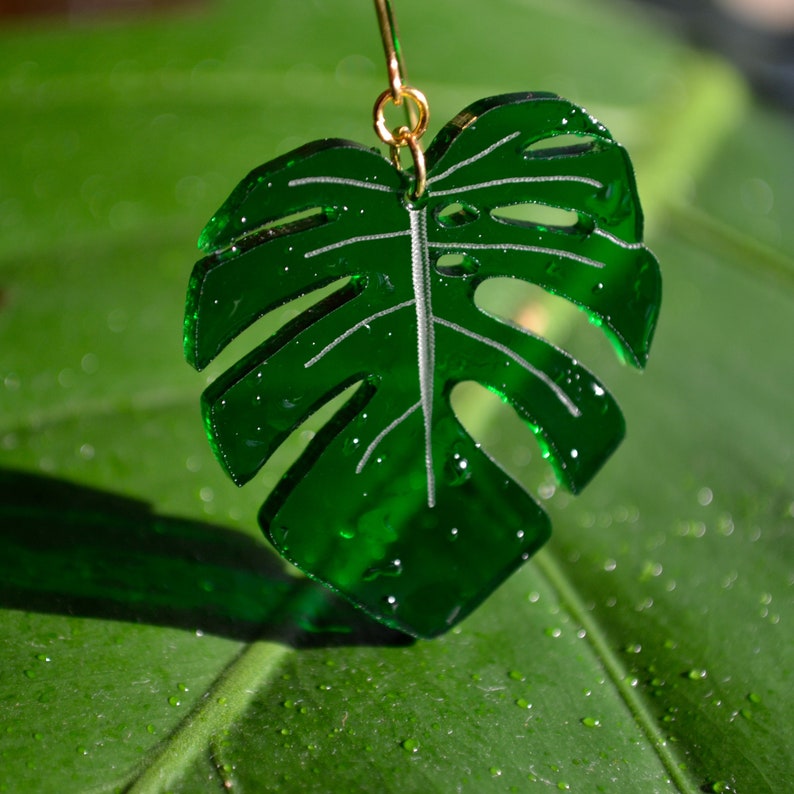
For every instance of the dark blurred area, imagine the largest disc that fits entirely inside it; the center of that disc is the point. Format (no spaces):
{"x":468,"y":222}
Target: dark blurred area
{"x":756,"y":35}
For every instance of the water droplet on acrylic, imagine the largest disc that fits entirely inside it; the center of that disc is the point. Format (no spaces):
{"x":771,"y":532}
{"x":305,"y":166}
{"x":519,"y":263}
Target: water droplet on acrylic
{"x":351,"y":445}
{"x":456,"y":470}
{"x":391,"y":568}
{"x":392,"y":602}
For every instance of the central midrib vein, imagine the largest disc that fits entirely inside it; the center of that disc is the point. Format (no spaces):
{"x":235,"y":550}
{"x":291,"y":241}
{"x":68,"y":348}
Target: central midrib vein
{"x":425,"y":335}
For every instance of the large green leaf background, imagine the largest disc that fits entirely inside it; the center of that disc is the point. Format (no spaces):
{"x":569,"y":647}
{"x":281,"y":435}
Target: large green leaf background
{"x":150,"y":640}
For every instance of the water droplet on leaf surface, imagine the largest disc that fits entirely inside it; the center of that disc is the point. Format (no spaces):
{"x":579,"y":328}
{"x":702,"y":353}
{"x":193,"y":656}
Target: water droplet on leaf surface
{"x":410,"y":745}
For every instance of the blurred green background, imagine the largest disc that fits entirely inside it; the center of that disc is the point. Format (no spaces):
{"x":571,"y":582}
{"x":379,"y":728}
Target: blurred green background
{"x":150,"y":641}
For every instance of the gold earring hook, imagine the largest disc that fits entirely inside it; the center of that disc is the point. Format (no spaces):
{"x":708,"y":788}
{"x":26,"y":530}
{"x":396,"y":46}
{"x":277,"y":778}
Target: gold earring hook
{"x":417,"y":110}
{"x":391,"y":47}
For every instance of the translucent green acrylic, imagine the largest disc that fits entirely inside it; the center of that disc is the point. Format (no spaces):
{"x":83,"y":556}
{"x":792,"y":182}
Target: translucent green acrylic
{"x":393,"y":504}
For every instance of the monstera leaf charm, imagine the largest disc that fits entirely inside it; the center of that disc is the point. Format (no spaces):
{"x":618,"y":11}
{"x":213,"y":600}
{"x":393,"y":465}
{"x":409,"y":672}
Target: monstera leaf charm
{"x":392,"y":504}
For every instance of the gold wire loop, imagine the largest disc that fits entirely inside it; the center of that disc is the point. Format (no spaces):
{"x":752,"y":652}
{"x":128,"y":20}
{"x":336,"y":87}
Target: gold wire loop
{"x":391,"y":47}
{"x":405,"y":136}
{"x":420,"y":171}
{"x":417,"y":109}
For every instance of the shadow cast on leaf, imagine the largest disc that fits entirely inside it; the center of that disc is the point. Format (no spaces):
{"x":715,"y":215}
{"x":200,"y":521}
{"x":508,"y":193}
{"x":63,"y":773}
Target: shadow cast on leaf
{"x":68,"y":549}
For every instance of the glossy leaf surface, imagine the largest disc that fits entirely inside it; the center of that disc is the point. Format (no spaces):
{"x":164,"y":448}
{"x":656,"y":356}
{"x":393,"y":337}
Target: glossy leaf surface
{"x":408,"y":518}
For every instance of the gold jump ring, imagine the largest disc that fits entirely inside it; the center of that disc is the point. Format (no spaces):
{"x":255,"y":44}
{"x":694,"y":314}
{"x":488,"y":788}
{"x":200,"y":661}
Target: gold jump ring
{"x":401,"y":139}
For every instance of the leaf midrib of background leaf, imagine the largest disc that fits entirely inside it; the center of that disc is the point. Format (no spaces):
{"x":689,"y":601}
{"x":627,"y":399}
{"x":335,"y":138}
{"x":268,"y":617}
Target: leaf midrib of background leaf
{"x":124,"y":473}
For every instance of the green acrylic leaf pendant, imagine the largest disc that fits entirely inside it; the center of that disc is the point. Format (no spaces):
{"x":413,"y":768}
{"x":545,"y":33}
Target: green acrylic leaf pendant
{"x":392,"y":504}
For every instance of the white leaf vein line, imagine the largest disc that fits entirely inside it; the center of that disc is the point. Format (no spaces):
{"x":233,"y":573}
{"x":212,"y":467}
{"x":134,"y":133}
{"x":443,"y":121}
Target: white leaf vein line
{"x":383,"y":433}
{"x":364,"y":238}
{"x":463,"y":163}
{"x":339,"y":180}
{"x":529,"y":248}
{"x":614,"y":239}
{"x":353,"y":328}
{"x":425,"y":336}
{"x":518,"y":180}
{"x":522,"y":362}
